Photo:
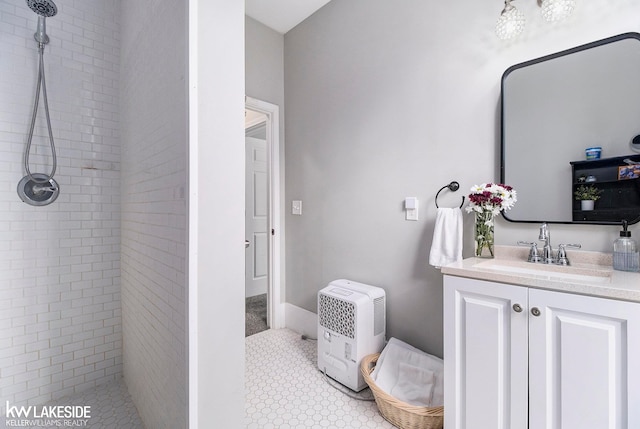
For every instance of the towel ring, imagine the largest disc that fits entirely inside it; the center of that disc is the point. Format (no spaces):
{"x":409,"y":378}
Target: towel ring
{"x":453,"y":186}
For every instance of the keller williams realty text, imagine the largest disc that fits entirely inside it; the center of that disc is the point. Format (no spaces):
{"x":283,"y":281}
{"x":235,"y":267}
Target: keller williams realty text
{"x":13,"y":423}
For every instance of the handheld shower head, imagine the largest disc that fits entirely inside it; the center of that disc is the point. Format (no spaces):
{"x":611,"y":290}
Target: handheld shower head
{"x":41,"y":32}
{"x":46,"y":8}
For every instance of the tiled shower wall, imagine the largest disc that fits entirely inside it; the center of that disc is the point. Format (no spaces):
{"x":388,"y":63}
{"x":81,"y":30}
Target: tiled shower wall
{"x":154,"y":223}
{"x":60,"y":317}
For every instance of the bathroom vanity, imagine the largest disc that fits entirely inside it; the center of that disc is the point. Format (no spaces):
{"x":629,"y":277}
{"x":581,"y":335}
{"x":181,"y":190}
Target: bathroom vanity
{"x":545,"y":347}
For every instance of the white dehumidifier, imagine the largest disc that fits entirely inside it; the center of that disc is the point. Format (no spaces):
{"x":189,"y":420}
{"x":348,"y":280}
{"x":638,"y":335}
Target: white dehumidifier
{"x":351,"y":325}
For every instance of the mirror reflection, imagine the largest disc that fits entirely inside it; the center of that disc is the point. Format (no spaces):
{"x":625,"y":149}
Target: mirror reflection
{"x":556,"y":108}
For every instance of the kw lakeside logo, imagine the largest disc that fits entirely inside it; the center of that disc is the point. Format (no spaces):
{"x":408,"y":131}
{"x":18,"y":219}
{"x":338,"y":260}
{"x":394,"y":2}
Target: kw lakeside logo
{"x":47,"y":416}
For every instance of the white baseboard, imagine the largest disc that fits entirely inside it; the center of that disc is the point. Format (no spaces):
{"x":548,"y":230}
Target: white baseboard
{"x":300,"y":320}
{"x":277,"y":317}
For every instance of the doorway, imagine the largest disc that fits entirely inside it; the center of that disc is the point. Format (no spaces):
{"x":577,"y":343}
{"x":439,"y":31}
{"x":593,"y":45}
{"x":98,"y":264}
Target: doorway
{"x":263,"y":235}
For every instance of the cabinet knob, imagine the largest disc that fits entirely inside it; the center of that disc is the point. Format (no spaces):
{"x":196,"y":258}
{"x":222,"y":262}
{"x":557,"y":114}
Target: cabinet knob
{"x":517,"y":308}
{"x":535,"y":311}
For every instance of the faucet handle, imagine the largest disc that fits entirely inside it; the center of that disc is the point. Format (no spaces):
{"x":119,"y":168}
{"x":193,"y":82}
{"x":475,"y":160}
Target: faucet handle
{"x":534,"y":255}
{"x":562,"y":253}
{"x":544,"y":232}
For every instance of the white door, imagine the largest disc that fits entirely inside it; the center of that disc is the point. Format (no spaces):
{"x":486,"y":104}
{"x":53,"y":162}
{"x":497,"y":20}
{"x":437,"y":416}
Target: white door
{"x":256,"y":213}
{"x":485,"y":354}
{"x":584,"y":362}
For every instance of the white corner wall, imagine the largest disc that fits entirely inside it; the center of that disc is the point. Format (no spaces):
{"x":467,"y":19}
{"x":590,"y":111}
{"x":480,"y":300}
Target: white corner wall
{"x":60,"y":324}
{"x":387,"y":100}
{"x":216,"y":214}
{"x":154,"y":209}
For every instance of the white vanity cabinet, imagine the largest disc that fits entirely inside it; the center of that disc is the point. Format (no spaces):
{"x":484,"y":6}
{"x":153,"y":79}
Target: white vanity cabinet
{"x":518,"y":358}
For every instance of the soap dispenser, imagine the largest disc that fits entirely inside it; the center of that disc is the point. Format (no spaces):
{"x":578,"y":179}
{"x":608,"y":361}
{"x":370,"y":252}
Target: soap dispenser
{"x":625,"y":251}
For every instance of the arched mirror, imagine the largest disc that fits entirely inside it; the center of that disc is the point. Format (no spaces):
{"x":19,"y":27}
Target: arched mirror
{"x":556,"y":107}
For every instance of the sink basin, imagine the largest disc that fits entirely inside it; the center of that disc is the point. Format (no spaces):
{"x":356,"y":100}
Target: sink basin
{"x":551,"y":272}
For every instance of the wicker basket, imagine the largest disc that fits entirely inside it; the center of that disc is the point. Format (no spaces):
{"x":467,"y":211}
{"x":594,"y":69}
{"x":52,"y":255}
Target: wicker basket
{"x":398,"y":413}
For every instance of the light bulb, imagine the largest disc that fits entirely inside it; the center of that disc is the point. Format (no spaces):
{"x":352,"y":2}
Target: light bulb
{"x":557,"y":10}
{"x":510,"y":23}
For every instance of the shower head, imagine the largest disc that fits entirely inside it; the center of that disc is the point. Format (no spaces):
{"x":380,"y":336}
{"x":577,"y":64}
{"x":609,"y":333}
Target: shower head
{"x":45,"y":8}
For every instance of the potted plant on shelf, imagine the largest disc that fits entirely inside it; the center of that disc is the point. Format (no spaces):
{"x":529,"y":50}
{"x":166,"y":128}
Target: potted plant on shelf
{"x":587,"y":195}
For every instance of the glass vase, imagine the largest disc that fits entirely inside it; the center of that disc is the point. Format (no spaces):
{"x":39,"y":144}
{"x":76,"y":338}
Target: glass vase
{"x":483,"y":234}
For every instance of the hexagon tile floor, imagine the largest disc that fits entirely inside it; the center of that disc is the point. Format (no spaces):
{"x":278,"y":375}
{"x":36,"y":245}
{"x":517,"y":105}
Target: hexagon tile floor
{"x":111,"y":407}
{"x":285,"y":390}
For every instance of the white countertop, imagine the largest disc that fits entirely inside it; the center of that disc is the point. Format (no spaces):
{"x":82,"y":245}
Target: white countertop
{"x":590,"y":273}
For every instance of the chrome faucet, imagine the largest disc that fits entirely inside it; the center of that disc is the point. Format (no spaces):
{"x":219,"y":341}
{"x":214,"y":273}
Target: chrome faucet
{"x":534,"y":255}
{"x":547,"y":251}
{"x":563,"y":259}
{"x":547,"y":256}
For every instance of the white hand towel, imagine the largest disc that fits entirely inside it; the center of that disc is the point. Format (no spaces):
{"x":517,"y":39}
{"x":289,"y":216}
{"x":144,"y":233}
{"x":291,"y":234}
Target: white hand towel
{"x":446,"y":246}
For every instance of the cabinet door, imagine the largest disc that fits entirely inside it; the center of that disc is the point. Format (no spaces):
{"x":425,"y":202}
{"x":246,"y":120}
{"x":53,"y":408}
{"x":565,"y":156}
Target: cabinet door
{"x":485,"y":355}
{"x":584,"y":357}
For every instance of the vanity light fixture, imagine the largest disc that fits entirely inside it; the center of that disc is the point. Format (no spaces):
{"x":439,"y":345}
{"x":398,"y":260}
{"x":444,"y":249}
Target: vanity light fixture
{"x":557,"y":10}
{"x":511,"y":21}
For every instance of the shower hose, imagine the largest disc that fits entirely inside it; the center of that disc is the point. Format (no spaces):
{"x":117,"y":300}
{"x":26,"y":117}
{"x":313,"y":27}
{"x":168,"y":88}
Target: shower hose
{"x":27,"y":150}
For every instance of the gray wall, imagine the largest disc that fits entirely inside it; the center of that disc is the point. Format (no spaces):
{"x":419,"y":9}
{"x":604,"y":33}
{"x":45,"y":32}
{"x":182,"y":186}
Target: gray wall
{"x":387,"y":100}
{"x":264,"y":63}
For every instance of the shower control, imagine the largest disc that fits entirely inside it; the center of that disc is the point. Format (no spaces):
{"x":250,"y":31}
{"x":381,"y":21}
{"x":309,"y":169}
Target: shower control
{"x":38,"y":190}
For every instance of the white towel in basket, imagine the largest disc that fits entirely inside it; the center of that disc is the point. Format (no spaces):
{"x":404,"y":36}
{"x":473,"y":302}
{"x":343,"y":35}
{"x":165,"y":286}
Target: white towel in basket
{"x":400,"y":361}
{"x":415,"y":385}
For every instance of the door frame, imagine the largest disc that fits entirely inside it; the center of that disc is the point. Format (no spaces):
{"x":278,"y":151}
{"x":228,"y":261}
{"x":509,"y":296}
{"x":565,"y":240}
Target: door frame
{"x":275,"y":308}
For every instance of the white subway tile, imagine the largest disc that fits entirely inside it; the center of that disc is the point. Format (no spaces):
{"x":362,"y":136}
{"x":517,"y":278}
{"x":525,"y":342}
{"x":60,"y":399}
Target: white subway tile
{"x":67,"y":256}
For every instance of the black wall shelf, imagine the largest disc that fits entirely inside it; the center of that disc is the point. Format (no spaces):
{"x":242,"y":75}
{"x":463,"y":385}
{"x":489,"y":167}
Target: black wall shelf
{"x":620,"y":198}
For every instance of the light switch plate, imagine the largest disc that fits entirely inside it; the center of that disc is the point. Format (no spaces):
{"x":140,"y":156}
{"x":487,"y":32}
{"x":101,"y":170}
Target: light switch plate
{"x":411,"y":208}
{"x":412,"y":214}
{"x":296,"y":207}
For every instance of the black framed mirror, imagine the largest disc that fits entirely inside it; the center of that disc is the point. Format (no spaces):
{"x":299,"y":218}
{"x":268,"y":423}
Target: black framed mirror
{"x":556,"y":107}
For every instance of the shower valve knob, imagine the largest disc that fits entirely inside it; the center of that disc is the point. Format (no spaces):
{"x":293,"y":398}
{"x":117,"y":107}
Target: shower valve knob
{"x":37,"y":189}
